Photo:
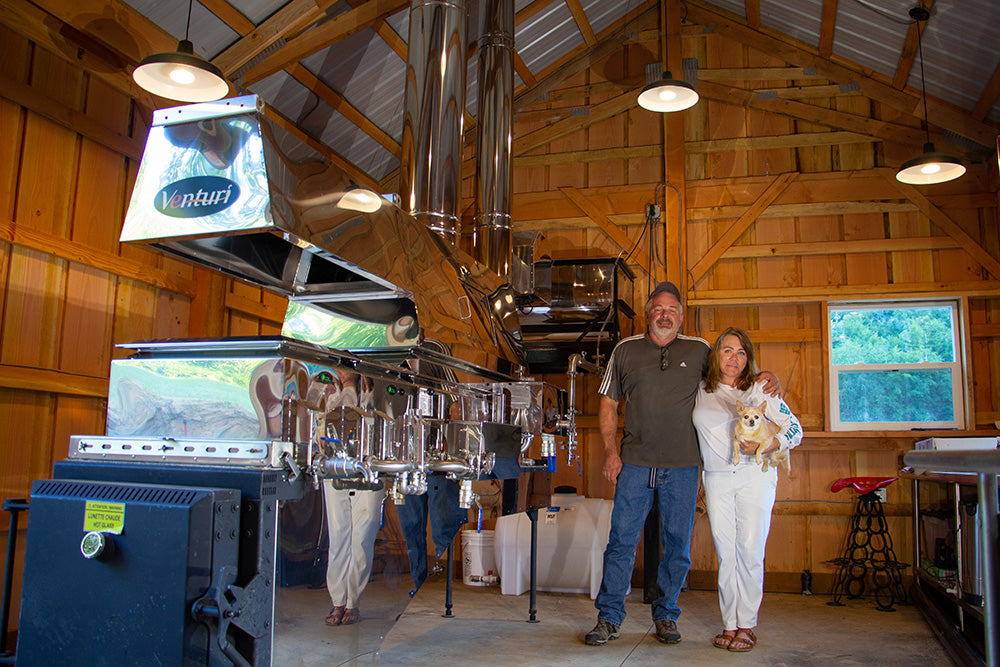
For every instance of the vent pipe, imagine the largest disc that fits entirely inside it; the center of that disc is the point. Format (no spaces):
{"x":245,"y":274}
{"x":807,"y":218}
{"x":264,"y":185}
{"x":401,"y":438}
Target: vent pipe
{"x":493,"y":135}
{"x":431,"y":157}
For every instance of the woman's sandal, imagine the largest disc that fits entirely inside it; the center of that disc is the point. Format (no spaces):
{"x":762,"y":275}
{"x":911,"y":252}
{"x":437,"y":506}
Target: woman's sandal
{"x":744,"y":640}
{"x":724,"y":639}
{"x":336,"y":615}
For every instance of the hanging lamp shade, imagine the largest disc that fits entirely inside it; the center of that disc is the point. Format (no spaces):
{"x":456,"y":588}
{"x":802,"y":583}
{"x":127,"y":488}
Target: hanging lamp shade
{"x":930,"y":168}
{"x":181,"y":75}
{"x":668,"y":94}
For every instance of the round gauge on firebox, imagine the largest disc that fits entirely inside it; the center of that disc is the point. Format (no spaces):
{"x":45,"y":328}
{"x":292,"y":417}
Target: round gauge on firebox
{"x":94,"y":544}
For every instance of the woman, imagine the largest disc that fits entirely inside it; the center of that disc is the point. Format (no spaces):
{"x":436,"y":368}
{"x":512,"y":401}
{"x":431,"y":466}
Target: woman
{"x":739,"y":497}
{"x":353,"y":516}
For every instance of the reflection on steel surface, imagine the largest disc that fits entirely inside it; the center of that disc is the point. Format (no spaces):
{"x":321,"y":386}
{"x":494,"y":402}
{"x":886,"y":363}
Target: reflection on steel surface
{"x":286,"y":231}
{"x":388,"y":368}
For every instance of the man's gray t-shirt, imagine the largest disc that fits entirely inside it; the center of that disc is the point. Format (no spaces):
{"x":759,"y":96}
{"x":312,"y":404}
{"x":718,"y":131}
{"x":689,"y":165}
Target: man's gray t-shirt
{"x":658,"y":432}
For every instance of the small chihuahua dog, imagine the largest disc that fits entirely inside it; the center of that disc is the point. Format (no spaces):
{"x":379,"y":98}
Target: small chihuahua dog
{"x":754,"y":427}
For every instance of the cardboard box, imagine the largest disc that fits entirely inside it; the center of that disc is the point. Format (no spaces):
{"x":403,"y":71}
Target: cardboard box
{"x":958,"y":443}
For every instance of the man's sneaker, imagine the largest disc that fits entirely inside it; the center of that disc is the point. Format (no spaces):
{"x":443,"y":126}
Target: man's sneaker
{"x":601,"y":633}
{"x":666,"y":632}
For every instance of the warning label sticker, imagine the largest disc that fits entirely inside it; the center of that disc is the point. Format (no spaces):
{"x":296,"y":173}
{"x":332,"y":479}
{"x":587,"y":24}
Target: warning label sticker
{"x":104,"y":517}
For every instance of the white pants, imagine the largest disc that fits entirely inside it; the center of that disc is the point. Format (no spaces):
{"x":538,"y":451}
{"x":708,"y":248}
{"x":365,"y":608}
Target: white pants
{"x":739,"y":508}
{"x":352,"y":518}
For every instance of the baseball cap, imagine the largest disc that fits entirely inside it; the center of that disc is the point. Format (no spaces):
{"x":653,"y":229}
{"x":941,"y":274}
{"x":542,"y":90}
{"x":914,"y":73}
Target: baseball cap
{"x":666,"y":286}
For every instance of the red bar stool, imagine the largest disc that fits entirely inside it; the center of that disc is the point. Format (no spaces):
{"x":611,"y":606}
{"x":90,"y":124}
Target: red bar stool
{"x":868,"y":547}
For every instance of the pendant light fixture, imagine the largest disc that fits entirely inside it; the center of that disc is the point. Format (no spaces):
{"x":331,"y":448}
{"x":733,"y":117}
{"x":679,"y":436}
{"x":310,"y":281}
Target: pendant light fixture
{"x":181,"y":75}
{"x":930,"y":167}
{"x":667,"y":93}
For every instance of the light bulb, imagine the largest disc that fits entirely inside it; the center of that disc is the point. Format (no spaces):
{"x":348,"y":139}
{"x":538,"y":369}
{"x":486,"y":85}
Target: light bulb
{"x":668,"y":95}
{"x":181,"y":76}
{"x":931,"y":168}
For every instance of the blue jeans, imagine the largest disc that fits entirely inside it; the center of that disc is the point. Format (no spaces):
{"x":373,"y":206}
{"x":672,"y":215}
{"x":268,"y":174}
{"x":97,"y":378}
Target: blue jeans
{"x":677,"y":492}
{"x":440,"y":504}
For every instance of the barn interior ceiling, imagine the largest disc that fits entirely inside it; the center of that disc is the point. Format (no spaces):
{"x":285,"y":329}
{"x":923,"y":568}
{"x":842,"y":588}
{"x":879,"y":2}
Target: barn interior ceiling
{"x":333,"y":71}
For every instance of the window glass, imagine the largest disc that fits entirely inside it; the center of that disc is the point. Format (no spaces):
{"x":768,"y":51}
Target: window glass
{"x":895,"y":366}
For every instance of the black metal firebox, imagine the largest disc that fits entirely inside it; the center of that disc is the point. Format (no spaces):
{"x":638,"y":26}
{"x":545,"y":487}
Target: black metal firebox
{"x":185,"y":575}
{"x":579,"y":305}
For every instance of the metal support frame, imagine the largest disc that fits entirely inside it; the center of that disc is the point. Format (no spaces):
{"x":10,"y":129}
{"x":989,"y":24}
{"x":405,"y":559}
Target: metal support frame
{"x":449,"y":575}
{"x":985,"y":464}
{"x":532,"y":607}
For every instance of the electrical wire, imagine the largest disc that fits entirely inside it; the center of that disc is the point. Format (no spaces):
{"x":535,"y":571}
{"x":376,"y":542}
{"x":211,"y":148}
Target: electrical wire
{"x":187,"y":28}
{"x":882,"y":12}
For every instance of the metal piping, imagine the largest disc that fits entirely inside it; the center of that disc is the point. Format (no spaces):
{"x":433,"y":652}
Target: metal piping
{"x":494,"y":173}
{"x":431,"y":156}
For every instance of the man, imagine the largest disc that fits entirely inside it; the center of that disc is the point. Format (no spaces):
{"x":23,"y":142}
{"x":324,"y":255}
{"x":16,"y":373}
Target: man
{"x":658,"y":374}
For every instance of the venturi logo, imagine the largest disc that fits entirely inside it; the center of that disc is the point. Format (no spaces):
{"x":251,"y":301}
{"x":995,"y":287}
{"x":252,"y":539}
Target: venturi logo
{"x":196,"y":196}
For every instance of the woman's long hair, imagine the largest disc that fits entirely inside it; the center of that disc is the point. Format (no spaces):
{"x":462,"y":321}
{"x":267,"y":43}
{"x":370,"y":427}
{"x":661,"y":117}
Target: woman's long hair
{"x":713,"y":376}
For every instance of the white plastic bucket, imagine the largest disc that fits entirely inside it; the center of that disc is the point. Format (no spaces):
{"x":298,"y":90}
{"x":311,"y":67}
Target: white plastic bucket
{"x":478,"y":562}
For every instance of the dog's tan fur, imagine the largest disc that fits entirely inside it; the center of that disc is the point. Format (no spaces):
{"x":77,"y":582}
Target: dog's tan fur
{"x":753,"y":427}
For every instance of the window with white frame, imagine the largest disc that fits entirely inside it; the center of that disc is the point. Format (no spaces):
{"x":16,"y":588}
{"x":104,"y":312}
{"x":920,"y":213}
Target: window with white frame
{"x":895,"y":365}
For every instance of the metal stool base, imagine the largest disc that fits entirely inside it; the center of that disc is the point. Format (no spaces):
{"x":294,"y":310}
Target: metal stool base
{"x":868,"y":549}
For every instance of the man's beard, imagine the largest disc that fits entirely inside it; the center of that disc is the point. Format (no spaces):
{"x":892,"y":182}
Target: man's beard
{"x":665,"y":326}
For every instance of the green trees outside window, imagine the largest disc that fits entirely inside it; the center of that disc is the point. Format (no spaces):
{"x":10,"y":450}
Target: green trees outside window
{"x":895,"y":366}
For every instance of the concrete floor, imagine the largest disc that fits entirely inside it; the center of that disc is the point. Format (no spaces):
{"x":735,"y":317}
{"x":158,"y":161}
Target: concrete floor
{"x":490,"y":628}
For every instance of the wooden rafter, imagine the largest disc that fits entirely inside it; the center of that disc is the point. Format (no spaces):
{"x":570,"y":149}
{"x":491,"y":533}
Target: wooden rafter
{"x":827,"y":28}
{"x":731,"y":235}
{"x":322,"y":36}
{"x":757,"y":74}
{"x":695,"y":148}
{"x":752,"y":9}
{"x":599,"y":217}
{"x":909,"y":52}
{"x":229,"y":15}
{"x":809,"y":92}
{"x":580,"y":16}
{"x":523,"y":71}
{"x":345,"y":108}
{"x":244,"y":26}
{"x":531,"y":10}
{"x":858,"y":191}
{"x":841,"y":247}
{"x":800,"y":110}
{"x":291,"y":19}
{"x":596,"y":114}
{"x":286,"y":123}
{"x":945,"y":224}
{"x":385,"y":31}
{"x":989,"y":96}
{"x":939,"y":113}
{"x":572,"y":64}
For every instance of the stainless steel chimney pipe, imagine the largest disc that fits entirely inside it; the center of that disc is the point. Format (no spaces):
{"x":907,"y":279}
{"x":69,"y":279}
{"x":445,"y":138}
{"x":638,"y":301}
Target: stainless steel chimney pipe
{"x":431,"y":157}
{"x":494,"y":135}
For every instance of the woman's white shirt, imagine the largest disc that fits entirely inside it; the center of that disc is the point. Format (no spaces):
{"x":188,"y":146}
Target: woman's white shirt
{"x":715,"y":418}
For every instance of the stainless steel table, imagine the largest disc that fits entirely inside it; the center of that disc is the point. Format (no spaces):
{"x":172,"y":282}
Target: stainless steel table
{"x":986,"y":465}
